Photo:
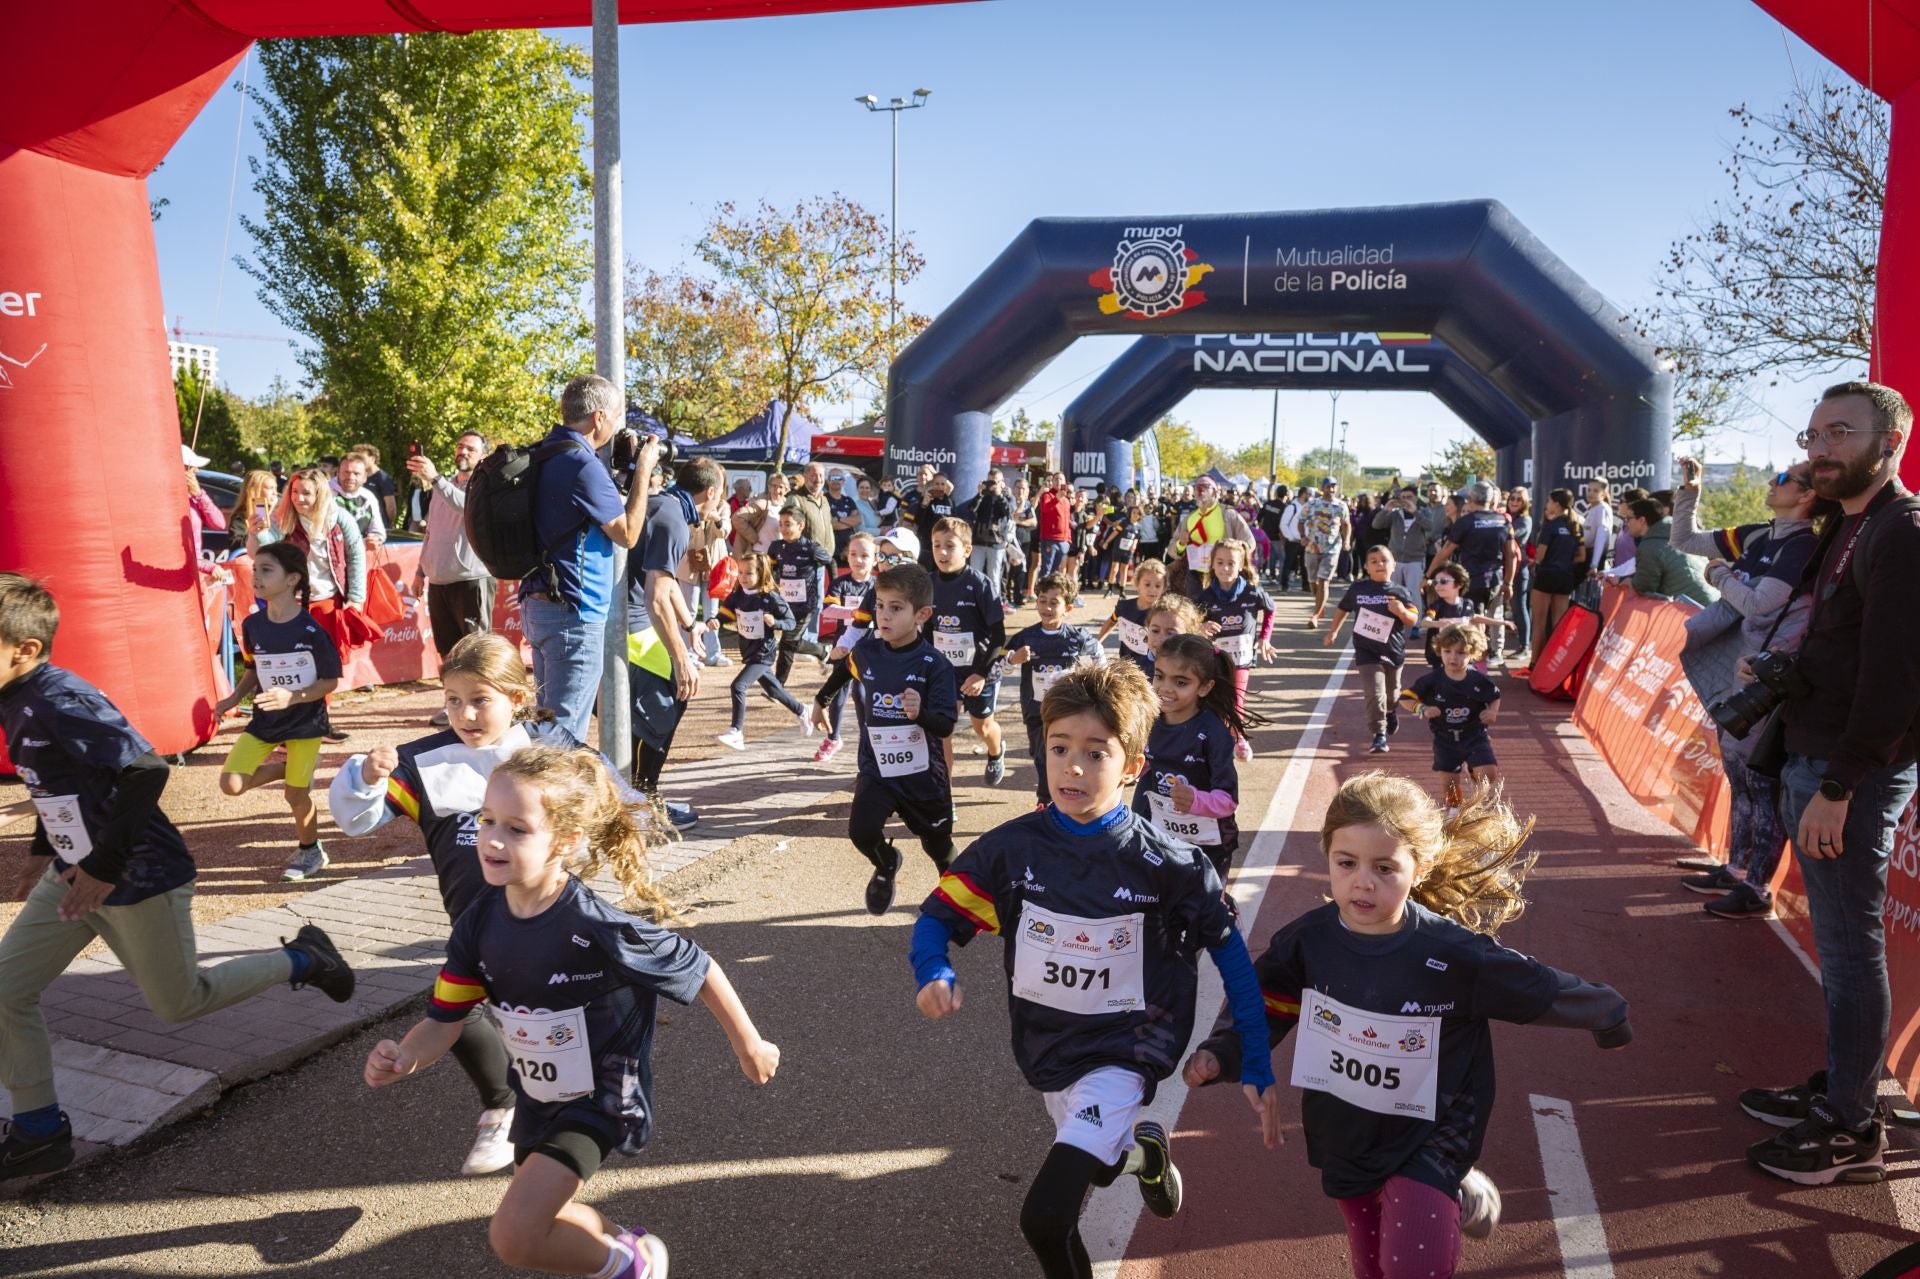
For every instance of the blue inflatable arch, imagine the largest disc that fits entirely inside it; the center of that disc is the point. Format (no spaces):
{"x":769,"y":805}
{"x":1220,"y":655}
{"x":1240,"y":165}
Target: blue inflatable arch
{"x":1154,"y":374}
{"x":1468,"y":273}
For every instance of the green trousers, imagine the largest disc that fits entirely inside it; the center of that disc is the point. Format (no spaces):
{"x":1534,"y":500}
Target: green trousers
{"x":153,"y":940}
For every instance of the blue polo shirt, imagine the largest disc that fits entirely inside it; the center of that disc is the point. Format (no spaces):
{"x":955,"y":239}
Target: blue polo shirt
{"x":574,"y":497}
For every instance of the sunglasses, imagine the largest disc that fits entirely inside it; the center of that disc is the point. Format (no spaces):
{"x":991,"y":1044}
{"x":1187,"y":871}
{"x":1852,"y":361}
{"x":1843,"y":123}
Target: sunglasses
{"x":1788,"y":477}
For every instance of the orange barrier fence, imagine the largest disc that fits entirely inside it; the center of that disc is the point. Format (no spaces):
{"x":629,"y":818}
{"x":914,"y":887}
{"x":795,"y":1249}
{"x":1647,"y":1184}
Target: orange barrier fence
{"x":1647,"y":723}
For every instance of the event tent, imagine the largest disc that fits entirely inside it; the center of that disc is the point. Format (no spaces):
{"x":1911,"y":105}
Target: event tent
{"x":755,"y":439}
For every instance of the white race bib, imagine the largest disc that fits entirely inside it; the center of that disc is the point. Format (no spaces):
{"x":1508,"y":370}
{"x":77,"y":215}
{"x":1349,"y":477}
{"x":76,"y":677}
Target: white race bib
{"x":1238,"y":648}
{"x":1044,"y":678}
{"x":955,"y":646}
{"x":899,"y":750}
{"x":1128,"y":542}
{"x":454,"y":777}
{"x":60,"y":814}
{"x":291,"y":671}
{"x":793,"y":590}
{"x":1188,"y":828}
{"x":1390,"y":1065}
{"x":751,"y":625}
{"x":1133,"y":637}
{"x":1085,"y":966}
{"x":549,"y":1052}
{"x":1377,"y":627}
{"x":1197,"y":557}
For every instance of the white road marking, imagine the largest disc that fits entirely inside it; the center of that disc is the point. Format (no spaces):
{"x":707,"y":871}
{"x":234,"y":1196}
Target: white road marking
{"x":1576,"y":1215}
{"x":1111,"y":1214}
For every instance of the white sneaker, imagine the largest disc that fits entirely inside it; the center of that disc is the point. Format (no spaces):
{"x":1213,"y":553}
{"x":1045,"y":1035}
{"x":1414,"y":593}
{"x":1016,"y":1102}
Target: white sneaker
{"x":1479,"y":1205}
{"x":733,"y":738}
{"x":492,"y":1150}
{"x":804,"y":722}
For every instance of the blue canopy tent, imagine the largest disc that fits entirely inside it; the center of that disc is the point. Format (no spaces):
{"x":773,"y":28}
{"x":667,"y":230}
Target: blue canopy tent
{"x":755,"y":439}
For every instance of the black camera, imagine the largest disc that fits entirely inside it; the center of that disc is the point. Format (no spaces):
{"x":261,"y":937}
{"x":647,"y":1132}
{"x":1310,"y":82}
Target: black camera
{"x":627,"y":443}
{"x":1776,"y":679}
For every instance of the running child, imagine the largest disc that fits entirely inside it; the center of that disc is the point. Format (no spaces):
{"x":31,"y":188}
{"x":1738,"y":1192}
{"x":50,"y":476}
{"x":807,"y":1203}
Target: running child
{"x":1451,"y":587}
{"x":104,"y":864}
{"x":758,"y":613}
{"x":1190,"y":788}
{"x":1173,"y":614}
{"x":906,"y":695}
{"x":1239,"y":618}
{"x":291,"y":666}
{"x":1096,"y":1024}
{"x":969,"y":627}
{"x":437,"y":782}
{"x":1130,"y":615}
{"x":573,"y":984}
{"x":797,"y":561}
{"x":1460,"y":704}
{"x":1045,"y":652}
{"x":850,"y":602}
{"x":1382,"y":609}
{"x":1395,"y":1121}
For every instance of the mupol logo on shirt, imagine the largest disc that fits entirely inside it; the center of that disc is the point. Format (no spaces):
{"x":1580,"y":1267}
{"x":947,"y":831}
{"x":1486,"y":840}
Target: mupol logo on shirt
{"x":1125,"y":894}
{"x":561,"y":979}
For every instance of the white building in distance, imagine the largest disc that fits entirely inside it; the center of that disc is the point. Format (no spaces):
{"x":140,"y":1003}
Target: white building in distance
{"x":195,"y":355}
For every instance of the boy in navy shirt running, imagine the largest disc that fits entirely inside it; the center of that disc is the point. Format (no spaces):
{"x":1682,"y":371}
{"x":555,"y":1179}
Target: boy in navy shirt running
{"x":105,"y":864}
{"x":904,"y":698}
{"x":1102,"y":918}
{"x":969,"y":627}
{"x":1460,"y":705}
{"x":1382,"y":610}
{"x":1044,"y":652}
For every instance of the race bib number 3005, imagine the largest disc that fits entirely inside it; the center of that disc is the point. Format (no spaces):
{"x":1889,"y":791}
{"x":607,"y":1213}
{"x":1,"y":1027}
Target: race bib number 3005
{"x":1389,"y":1065}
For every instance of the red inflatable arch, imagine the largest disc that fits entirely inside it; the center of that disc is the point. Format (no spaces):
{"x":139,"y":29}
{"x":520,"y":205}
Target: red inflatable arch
{"x":91,"y":97}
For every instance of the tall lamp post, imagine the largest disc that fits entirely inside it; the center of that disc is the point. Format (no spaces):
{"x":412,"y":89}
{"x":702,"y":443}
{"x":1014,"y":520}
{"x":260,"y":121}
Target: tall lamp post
{"x":1333,"y":421}
{"x":894,"y":108}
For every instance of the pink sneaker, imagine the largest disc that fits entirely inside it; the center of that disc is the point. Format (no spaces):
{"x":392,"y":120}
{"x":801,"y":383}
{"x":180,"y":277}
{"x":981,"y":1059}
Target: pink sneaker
{"x":828,"y":748}
{"x":649,"y":1255}
{"x":1242,"y":749}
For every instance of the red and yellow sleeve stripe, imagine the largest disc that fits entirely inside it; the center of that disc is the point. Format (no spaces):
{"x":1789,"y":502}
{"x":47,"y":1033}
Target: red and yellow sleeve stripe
{"x":455,"y":993}
{"x":965,"y":896}
{"x":1285,"y":1007}
{"x":401,"y":799}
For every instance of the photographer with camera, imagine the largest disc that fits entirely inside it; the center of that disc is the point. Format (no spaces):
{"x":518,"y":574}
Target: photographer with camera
{"x":1849,"y":701}
{"x":1755,"y":568}
{"x":578,"y":517}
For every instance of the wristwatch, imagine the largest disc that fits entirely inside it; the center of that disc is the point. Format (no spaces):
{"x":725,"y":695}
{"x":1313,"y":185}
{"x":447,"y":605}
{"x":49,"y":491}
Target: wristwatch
{"x":1835,"y":791}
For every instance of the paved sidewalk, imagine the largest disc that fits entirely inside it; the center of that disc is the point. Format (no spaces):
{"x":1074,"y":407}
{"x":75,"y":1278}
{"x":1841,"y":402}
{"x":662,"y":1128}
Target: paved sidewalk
{"x":122,"y":1073}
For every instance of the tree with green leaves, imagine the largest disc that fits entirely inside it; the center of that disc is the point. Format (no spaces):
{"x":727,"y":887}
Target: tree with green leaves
{"x":695,"y":355}
{"x":1739,"y":499}
{"x":207,"y":424}
{"x":278,"y":426}
{"x":1183,"y":453}
{"x":424,"y":209}
{"x":816,"y":278}
{"x":1462,"y":462}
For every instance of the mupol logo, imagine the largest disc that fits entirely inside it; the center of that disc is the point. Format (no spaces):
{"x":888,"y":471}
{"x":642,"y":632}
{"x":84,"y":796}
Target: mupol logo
{"x":1153,"y":274}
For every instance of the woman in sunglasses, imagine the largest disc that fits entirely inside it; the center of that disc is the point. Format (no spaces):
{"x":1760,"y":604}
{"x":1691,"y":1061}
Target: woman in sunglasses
{"x":1755,"y":568}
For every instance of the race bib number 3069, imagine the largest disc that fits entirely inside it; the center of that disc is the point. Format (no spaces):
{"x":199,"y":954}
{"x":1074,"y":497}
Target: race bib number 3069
{"x":1389,"y":1065}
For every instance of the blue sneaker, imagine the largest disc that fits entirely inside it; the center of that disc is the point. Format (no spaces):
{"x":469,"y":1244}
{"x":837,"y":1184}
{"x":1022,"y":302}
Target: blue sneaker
{"x":1379,"y":746}
{"x":682,"y":816}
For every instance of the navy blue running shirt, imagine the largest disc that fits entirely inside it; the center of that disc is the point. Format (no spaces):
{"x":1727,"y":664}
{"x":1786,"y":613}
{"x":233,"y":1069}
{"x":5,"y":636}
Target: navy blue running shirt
{"x":1481,"y":539}
{"x":1198,"y":752}
{"x":758,"y":618}
{"x":1237,"y":613}
{"x":290,"y":655}
{"x":796,"y":573}
{"x":1054,"y":654}
{"x":1369,"y":597}
{"x":1130,"y":624}
{"x":915,"y":768}
{"x":969,"y":623}
{"x":1122,"y":902}
{"x":1461,"y":702}
{"x":70,"y":745}
{"x":574,"y":991}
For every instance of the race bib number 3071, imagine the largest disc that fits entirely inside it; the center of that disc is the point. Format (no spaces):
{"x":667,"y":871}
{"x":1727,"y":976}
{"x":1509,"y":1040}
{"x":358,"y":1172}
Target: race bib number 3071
{"x":1086,"y":966}
{"x":1389,"y":1065}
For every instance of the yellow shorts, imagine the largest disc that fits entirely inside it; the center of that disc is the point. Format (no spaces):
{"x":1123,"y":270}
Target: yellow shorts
{"x":303,"y":756}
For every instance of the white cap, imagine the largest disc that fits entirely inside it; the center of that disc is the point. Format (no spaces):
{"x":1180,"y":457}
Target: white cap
{"x":904,"y":540}
{"x":190,"y":458}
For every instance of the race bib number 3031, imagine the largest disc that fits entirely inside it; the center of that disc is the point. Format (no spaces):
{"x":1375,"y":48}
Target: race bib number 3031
{"x":1086,"y":966}
{"x":1389,"y":1065}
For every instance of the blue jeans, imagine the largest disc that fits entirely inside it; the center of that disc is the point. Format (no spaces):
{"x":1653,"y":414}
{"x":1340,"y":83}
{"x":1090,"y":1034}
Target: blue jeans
{"x":567,"y":657}
{"x":1052,"y":556}
{"x":1845,"y":897}
{"x":706,"y":608}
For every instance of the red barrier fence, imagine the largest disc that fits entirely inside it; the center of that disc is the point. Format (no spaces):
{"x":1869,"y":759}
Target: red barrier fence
{"x":1644,"y":718}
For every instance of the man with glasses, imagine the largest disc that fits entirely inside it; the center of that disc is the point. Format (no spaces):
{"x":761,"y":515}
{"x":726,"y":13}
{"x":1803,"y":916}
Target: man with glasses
{"x":1201,"y":529}
{"x":1849,"y":774}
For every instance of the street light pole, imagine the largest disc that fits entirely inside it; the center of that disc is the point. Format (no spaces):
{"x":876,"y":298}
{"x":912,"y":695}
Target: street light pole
{"x":1333,"y":421}
{"x":894,"y":108}
{"x":1273,"y":442}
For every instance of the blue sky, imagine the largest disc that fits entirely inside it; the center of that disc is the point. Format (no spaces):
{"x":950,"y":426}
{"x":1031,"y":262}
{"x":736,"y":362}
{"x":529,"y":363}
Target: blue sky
{"x":1602,"y":126}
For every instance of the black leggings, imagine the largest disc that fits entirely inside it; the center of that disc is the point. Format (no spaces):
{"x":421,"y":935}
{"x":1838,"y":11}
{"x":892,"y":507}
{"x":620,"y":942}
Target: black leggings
{"x":1050,"y":1217}
{"x":874,"y":802}
{"x":760,"y":673}
{"x":795,"y":641}
{"x":483,"y":1057}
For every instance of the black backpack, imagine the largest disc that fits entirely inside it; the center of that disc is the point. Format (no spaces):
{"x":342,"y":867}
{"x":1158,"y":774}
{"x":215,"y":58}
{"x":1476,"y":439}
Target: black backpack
{"x":500,"y":501}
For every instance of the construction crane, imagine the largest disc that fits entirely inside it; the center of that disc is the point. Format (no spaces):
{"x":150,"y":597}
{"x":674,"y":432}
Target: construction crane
{"x":179,"y":333}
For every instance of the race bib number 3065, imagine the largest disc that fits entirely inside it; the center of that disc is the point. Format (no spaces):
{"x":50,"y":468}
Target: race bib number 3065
{"x":1389,"y":1065}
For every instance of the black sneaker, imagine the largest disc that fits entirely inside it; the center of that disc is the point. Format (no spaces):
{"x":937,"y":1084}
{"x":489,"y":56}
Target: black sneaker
{"x":1393,"y":721}
{"x":327,"y":972}
{"x":1784,"y":1107}
{"x":1160,"y":1187}
{"x":1742,"y":903}
{"x":996,"y":768}
{"x":880,"y":886}
{"x":1479,"y":1204}
{"x":1713,"y":882}
{"x":1820,"y":1150}
{"x":23,"y":1156}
